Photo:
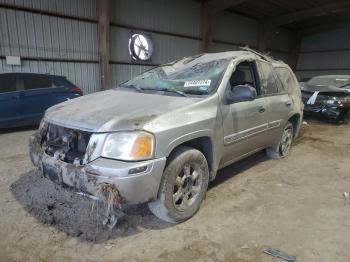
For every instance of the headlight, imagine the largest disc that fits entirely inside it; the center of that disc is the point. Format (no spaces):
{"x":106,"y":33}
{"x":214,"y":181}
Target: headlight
{"x":129,"y":146}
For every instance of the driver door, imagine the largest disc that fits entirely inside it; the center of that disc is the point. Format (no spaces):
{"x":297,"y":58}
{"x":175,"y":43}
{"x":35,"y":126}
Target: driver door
{"x":245,"y":122}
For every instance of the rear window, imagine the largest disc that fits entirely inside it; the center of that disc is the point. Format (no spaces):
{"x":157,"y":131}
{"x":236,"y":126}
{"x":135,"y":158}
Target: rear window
{"x":36,"y":82}
{"x":7,"y":84}
{"x":63,"y":82}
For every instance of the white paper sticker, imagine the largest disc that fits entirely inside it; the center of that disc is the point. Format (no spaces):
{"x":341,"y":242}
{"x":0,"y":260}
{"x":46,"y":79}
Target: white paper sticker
{"x":197,"y":83}
{"x":312,"y":98}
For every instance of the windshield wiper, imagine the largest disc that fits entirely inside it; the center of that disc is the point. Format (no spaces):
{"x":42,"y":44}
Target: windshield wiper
{"x":344,"y":85}
{"x":139,"y":89}
{"x":174,"y":91}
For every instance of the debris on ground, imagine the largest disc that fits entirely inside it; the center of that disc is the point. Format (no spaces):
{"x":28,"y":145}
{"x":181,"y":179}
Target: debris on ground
{"x":75,"y":214}
{"x":346,"y":194}
{"x":111,"y":197}
{"x":279,"y":254}
{"x":305,"y":123}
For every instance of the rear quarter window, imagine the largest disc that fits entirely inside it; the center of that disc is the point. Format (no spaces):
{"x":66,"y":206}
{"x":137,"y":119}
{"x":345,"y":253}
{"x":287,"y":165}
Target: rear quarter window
{"x":267,"y":77}
{"x":36,"y":82}
{"x":7,"y":84}
{"x":286,"y":78}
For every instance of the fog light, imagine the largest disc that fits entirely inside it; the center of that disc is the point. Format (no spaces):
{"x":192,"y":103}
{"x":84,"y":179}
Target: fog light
{"x":137,"y":170}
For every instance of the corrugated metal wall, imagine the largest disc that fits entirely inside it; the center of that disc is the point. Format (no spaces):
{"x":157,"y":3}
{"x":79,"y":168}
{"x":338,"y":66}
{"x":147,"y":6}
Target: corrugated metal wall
{"x":325,"y":53}
{"x":176,"y":29}
{"x":60,"y":36}
{"x":46,"y":43}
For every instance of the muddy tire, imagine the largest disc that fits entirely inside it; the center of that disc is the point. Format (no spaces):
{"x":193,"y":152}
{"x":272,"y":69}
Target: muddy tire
{"x":183,"y":186}
{"x":284,"y":145}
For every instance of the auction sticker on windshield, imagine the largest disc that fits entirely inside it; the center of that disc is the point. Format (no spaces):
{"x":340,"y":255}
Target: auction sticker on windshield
{"x":197,"y":83}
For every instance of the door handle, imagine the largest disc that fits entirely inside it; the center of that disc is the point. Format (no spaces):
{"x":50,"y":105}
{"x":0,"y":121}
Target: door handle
{"x":288,"y":103}
{"x":262,"y":109}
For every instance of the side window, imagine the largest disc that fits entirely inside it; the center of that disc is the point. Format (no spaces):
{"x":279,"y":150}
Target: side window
{"x":285,"y":77}
{"x":35,"y":82}
{"x":7,"y":83}
{"x":267,"y":78}
{"x":244,"y":75}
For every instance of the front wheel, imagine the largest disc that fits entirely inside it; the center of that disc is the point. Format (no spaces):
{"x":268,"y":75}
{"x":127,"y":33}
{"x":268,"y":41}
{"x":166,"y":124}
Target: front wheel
{"x":284,"y":145}
{"x":183,"y":187}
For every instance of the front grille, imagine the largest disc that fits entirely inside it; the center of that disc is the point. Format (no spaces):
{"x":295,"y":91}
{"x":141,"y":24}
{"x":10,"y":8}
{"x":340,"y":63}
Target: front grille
{"x":69,"y":145}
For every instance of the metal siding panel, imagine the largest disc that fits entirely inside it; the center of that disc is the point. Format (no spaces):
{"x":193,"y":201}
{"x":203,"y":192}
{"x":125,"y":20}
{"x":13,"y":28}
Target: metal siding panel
{"x":79,"y":8}
{"x":237,"y":29}
{"x":4,"y":34}
{"x":12,"y":28}
{"x":181,"y":16}
{"x":328,"y":60}
{"x":167,"y":48}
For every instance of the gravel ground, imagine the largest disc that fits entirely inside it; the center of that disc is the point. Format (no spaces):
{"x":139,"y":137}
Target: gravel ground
{"x":295,"y":204}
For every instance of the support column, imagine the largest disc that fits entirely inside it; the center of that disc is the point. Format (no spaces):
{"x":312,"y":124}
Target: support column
{"x":208,"y":20}
{"x":103,"y":41}
{"x":295,"y":50}
{"x":264,"y":34}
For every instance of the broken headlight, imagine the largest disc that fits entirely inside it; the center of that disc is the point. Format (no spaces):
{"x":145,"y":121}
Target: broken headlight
{"x":129,"y":146}
{"x":332,"y":102}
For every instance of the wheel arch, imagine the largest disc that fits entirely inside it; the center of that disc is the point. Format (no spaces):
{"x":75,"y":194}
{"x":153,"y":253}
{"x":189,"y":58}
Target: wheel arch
{"x":295,"y":119}
{"x":205,"y":145}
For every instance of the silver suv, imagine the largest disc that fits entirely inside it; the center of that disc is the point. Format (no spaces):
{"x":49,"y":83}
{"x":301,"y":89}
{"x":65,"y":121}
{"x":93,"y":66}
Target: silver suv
{"x":162,"y":136}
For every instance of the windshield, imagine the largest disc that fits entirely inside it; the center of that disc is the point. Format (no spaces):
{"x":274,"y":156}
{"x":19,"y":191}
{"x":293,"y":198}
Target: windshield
{"x":187,"y":76}
{"x":342,"y":82}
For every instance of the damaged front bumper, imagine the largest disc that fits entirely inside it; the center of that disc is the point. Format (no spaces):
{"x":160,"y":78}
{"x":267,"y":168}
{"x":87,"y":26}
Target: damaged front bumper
{"x":327,"y":111}
{"x":135,"y":182}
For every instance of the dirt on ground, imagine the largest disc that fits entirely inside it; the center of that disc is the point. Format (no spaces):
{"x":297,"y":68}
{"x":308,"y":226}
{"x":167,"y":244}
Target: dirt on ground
{"x":296,"y":205}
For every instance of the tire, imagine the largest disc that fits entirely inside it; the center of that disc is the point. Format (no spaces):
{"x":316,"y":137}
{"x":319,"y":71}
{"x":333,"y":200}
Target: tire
{"x":183,"y":186}
{"x":283,"y":148}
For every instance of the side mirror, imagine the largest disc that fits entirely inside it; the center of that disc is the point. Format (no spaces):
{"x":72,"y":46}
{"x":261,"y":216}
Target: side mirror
{"x":241,"y":93}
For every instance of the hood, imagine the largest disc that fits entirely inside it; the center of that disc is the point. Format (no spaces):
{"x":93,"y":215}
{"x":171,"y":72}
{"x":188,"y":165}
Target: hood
{"x":324,"y":89}
{"x":114,"y":110}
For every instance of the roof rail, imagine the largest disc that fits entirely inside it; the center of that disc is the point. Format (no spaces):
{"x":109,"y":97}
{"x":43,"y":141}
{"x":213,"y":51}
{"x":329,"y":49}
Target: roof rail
{"x":265,"y":57}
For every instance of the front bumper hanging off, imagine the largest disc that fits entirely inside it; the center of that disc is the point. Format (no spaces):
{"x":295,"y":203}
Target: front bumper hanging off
{"x":132,"y":188}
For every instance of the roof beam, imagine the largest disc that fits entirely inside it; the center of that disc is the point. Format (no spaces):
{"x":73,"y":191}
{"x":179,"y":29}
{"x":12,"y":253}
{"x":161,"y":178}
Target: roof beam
{"x":221,"y":5}
{"x":316,"y":11}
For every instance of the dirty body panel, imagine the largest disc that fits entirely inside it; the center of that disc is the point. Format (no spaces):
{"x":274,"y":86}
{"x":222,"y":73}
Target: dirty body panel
{"x":70,"y":146}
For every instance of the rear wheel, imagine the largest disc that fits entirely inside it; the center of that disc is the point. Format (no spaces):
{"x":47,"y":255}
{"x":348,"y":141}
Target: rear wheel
{"x":284,"y":145}
{"x":183,"y":187}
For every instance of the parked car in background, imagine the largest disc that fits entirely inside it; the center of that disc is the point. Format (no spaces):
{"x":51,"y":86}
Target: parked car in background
{"x":302,"y":82}
{"x":328,"y":96}
{"x":162,"y":136}
{"x":24,"y":97}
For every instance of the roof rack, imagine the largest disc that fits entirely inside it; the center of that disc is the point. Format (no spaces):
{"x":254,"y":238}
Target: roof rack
{"x":265,"y":57}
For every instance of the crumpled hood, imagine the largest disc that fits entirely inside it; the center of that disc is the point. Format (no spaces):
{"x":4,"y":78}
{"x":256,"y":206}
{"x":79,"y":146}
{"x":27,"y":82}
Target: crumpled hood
{"x":113,"y":110}
{"x":326,"y":89}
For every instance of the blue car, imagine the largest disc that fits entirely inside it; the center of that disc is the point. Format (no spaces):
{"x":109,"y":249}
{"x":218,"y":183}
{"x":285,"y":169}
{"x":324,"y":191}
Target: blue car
{"x":24,"y":97}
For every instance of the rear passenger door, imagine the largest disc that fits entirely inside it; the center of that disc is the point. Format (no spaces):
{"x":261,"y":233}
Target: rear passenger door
{"x":9,"y":101}
{"x":36,"y":98}
{"x":278,"y":101}
{"x":244,"y":129}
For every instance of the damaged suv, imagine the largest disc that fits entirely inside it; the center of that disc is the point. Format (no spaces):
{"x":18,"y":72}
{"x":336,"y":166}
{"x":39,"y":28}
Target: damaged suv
{"x":162,"y":136}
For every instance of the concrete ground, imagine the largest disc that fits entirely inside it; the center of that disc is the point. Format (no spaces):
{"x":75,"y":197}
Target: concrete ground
{"x":295,"y":205}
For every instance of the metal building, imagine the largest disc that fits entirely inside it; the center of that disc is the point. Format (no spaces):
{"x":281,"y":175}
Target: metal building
{"x":61,"y":36}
